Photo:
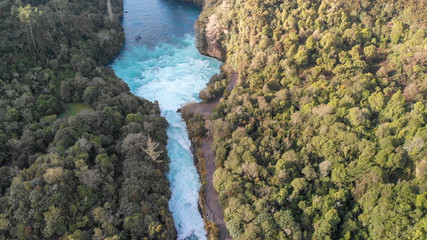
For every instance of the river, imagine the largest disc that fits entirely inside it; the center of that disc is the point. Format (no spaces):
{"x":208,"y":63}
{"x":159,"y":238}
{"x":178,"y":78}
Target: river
{"x":160,"y":62}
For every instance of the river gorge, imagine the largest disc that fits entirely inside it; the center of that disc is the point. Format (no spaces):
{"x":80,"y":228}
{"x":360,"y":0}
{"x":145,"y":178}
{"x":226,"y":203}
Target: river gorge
{"x":160,"y":62}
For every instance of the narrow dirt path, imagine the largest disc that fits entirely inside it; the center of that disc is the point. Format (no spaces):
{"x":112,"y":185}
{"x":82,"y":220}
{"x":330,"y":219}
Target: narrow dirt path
{"x":214,"y":211}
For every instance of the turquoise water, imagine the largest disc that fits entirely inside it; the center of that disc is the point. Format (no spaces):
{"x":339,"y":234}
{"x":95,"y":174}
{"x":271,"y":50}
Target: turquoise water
{"x":164,"y":65}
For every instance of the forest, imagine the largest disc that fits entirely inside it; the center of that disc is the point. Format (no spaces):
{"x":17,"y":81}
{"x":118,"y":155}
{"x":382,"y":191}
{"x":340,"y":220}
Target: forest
{"x":324,"y":136}
{"x":80,"y":156}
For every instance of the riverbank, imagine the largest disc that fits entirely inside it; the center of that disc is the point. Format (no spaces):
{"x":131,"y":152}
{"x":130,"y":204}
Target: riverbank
{"x":165,"y":66}
{"x":195,"y":116}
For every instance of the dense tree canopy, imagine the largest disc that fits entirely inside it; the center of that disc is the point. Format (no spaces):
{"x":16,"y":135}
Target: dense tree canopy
{"x":73,"y":139}
{"x":325,"y":135}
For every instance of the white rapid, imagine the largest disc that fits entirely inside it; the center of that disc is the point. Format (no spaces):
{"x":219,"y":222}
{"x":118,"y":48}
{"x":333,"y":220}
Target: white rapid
{"x":164,"y":65}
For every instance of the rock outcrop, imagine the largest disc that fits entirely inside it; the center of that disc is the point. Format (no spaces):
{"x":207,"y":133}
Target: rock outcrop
{"x":209,"y":35}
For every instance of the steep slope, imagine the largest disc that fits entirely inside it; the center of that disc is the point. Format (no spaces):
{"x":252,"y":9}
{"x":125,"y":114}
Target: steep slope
{"x":325,"y":135}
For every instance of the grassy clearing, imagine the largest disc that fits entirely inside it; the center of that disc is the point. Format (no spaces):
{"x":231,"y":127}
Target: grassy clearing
{"x":103,"y":33}
{"x":72,"y":109}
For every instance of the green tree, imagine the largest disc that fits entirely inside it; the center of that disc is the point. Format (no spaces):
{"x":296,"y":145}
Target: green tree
{"x":29,"y":15}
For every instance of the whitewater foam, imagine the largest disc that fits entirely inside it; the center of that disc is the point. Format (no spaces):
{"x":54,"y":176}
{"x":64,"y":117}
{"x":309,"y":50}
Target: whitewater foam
{"x":173,"y":74}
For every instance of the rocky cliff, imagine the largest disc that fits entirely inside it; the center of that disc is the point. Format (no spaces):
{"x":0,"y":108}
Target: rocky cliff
{"x":209,"y":36}
{"x":209,"y":33}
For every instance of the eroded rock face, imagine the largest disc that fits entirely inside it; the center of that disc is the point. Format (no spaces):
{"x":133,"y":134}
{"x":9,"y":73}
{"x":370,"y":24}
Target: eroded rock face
{"x":209,"y":38}
{"x":209,"y":32}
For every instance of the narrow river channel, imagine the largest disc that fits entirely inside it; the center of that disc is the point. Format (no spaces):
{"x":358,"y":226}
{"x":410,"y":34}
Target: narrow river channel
{"x":160,"y":62}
